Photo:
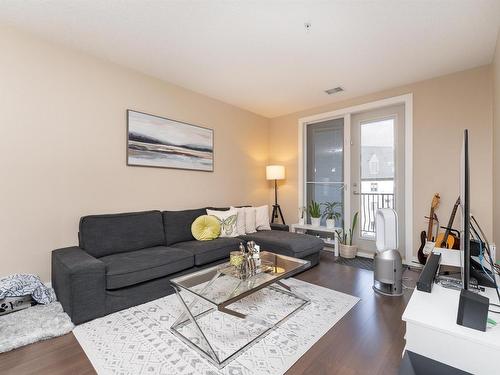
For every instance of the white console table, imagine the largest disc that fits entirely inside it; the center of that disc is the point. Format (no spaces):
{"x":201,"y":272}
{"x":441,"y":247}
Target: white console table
{"x":432,"y":331}
{"x":334,"y":242}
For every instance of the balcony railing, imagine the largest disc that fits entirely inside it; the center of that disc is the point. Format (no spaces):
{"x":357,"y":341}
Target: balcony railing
{"x":370,"y":203}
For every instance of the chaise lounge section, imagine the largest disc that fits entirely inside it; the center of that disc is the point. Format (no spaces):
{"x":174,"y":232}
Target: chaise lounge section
{"x":123,"y":260}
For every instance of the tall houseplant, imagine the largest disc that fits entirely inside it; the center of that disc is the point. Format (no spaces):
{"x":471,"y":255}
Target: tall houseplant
{"x":332,"y":213}
{"x":315,"y":213}
{"x":347,"y":250}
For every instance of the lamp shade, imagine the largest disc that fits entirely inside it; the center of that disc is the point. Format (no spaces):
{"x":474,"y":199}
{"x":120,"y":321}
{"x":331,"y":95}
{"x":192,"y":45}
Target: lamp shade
{"x":275,"y":172}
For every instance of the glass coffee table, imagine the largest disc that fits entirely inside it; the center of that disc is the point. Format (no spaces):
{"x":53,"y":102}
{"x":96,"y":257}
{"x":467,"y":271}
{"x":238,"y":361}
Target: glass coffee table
{"x":222,"y":315}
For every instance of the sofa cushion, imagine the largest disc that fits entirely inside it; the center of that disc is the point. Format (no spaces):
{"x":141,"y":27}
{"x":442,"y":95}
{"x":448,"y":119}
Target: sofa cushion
{"x":177,"y":224}
{"x":125,"y":269}
{"x":285,"y":243}
{"x":209,"y":251}
{"x":205,"y":228}
{"x":227,"y":221}
{"x":102,"y":235}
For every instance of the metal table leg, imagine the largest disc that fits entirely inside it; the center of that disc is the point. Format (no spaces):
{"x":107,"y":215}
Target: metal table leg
{"x":210,"y":354}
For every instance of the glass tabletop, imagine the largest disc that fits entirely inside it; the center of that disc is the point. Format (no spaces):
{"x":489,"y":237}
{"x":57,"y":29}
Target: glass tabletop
{"x":220,"y":284}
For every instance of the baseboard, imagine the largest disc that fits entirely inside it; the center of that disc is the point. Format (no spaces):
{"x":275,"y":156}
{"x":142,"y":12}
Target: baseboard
{"x":363,"y":254}
{"x":414,"y":263}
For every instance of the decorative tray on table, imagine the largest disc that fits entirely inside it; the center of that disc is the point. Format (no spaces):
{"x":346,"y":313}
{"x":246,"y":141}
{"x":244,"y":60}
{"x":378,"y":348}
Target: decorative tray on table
{"x":246,"y":272}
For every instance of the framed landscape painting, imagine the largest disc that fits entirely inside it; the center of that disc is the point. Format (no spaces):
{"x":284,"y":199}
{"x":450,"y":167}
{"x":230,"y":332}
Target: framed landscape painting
{"x":155,"y":141}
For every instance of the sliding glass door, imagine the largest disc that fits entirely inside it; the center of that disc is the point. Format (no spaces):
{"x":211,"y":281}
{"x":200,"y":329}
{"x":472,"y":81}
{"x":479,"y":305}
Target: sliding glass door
{"x":361,"y":158}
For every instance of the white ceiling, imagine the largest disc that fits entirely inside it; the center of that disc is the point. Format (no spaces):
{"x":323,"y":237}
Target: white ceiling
{"x":257,"y":54}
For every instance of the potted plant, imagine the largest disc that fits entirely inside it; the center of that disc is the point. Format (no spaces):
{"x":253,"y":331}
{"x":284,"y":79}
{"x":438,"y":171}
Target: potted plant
{"x":332,"y":213}
{"x":302,"y":214}
{"x":347,"y":250}
{"x":315,"y":213}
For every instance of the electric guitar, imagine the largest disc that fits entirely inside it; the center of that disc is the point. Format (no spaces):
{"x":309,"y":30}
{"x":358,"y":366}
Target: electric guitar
{"x":426,"y":239}
{"x":452,"y":241}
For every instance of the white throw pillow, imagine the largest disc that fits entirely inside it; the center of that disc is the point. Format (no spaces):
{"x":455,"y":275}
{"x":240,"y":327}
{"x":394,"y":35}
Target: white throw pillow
{"x":240,"y":220}
{"x":250,"y":220}
{"x":227,"y":220}
{"x":262,"y":218}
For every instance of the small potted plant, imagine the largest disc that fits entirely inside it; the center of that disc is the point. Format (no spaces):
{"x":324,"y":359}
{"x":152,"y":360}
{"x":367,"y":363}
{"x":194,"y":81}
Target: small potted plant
{"x":302,"y":214}
{"x":347,"y":250}
{"x":315,"y":213}
{"x":332,"y":213}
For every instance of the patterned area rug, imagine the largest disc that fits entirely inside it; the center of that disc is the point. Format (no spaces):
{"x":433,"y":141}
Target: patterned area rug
{"x":358,"y":262}
{"x":138,"y":340}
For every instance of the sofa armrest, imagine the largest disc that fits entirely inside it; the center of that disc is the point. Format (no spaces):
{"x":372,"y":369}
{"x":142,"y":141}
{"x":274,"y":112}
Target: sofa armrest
{"x":283,"y":227}
{"x":79,"y":281}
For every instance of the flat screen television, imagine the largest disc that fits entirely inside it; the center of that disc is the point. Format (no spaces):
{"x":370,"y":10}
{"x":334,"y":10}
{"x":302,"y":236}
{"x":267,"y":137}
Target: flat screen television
{"x":465,"y":206}
{"x":474,"y":263}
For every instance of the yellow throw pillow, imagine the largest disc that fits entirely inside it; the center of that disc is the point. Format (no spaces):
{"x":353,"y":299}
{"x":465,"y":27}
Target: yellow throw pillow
{"x":205,"y":228}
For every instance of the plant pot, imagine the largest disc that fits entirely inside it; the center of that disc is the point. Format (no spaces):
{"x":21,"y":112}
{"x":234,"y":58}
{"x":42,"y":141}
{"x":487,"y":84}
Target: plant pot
{"x":347,"y":251}
{"x":301,"y":221}
{"x":315,"y":221}
{"x":330,"y":223}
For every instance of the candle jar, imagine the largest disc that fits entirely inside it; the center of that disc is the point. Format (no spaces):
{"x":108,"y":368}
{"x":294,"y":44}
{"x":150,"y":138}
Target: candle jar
{"x":237,"y":260}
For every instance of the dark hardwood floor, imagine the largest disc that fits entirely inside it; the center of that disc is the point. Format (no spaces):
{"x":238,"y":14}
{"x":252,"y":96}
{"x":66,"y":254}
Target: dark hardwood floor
{"x":367,"y":340}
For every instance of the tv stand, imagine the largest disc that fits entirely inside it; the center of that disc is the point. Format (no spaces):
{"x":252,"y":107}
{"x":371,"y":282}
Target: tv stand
{"x":432,"y":331}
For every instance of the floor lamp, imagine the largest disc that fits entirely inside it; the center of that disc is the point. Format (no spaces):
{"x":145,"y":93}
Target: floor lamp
{"x":276,"y":172}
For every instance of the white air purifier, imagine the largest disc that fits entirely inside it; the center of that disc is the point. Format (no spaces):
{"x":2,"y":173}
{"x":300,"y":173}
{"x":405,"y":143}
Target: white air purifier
{"x":387,"y":263}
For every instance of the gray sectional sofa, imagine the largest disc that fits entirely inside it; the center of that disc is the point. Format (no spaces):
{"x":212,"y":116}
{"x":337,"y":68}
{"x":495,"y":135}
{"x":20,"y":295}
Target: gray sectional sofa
{"x":127,"y":259}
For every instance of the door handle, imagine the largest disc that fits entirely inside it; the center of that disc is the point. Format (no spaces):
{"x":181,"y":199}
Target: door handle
{"x":355,"y":188}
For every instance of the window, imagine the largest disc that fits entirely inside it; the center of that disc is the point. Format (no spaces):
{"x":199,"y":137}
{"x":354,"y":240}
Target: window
{"x":377,"y":172}
{"x":325,"y":162}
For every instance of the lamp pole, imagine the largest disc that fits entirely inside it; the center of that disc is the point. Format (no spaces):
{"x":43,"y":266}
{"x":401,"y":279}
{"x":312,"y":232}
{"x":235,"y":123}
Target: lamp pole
{"x":275,"y":192}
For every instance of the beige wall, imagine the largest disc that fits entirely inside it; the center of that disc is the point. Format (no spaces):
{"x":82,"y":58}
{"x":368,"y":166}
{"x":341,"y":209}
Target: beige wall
{"x":442,"y":108}
{"x":64,"y":132}
{"x":62,"y":148}
{"x":496,"y":146}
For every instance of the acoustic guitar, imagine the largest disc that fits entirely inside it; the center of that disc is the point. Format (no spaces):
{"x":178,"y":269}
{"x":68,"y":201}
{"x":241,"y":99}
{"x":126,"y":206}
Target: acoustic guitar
{"x":452,"y":241}
{"x":426,"y":239}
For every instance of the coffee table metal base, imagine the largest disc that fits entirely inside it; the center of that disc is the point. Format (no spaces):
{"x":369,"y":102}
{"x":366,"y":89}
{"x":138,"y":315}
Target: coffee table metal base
{"x":188,"y":316}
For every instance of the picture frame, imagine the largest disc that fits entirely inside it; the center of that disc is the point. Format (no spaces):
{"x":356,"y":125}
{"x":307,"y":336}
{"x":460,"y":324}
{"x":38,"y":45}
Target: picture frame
{"x":161,"y":142}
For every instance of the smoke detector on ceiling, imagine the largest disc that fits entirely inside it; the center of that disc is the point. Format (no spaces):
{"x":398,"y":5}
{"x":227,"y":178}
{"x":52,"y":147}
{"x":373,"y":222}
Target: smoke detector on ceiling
{"x":335,"y":90}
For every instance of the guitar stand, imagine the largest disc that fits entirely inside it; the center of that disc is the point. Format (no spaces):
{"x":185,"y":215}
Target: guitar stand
{"x":454,"y":231}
